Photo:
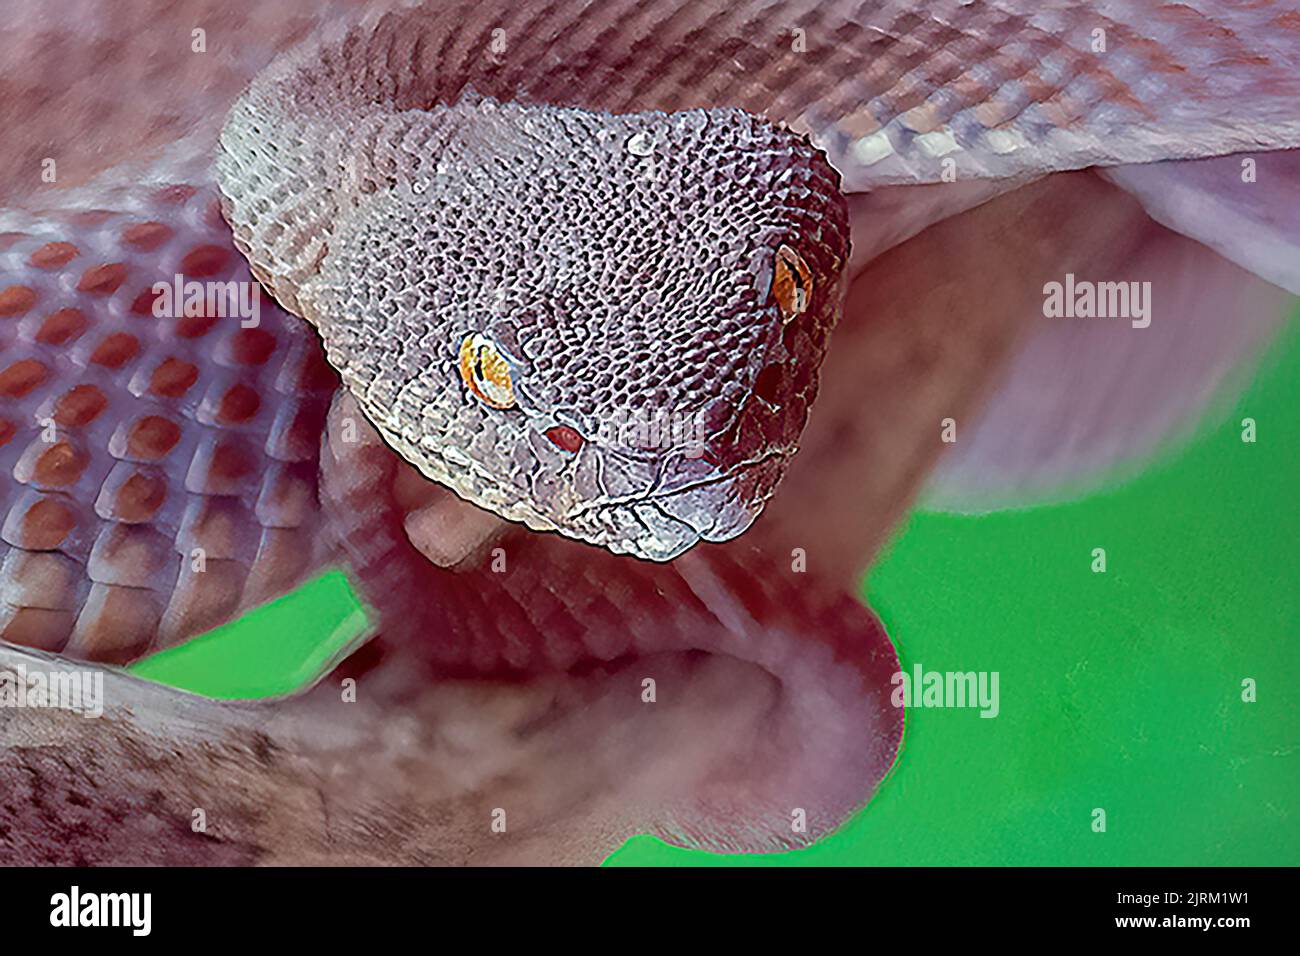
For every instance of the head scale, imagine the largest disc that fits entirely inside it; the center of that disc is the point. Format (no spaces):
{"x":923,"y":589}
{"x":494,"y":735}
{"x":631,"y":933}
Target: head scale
{"x":603,"y":325}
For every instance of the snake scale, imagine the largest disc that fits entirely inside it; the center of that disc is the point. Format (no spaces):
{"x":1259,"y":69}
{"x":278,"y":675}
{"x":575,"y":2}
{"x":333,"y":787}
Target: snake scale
{"x":509,"y":226}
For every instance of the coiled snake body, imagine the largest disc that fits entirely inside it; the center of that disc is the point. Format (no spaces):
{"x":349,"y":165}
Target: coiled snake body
{"x":512,"y":225}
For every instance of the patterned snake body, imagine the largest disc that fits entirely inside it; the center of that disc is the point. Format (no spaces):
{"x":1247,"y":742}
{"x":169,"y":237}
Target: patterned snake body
{"x":518,"y":181}
{"x":416,"y":186}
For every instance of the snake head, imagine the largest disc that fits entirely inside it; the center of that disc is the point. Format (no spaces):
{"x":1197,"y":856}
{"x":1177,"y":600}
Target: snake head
{"x":604,"y":325}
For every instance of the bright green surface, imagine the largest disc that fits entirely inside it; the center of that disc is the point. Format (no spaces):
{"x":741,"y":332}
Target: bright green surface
{"x":1119,"y":690}
{"x":313,"y":628}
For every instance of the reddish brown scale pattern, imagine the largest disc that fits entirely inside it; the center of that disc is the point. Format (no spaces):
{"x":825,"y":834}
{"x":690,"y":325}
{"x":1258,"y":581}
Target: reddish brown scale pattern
{"x":139,"y":497}
{"x":41,"y":579}
{"x":16,"y":300}
{"x":207,"y":598}
{"x":132,"y":473}
{"x":22,"y":377}
{"x":116,"y":350}
{"x":214,"y":524}
{"x":41,"y":628}
{"x":173,"y":378}
{"x":116,"y":624}
{"x":152,"y":437}
{"x":143,"y":304}
{"x":283,"y":555}
{"x":252,"y":346}
{"x":238,"y":405}
{"x":80,"y":405}
{"x":205,"y":261}
{"x":146,"y":236}
{"x":195,"y":326}
{"x":62,"y":326}
{"x":53,"y":255}
{"x":59,"y":465}
{"x":45,"y":525}
{"x":103,"y":279}
{"x":232,"y":461}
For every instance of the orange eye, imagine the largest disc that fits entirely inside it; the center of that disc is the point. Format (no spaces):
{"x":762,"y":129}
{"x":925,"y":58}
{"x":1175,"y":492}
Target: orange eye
{"x":486,"y":372}
{"x":791,"y":283}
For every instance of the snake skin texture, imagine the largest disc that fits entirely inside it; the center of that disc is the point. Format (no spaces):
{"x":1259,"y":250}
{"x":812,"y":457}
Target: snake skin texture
{"x":163,"y":470}
{"x":546,"y":604}
{"x":1197,"y":79}
{"x":461,"y":188}
{"x":890,"y":90}
{"x":545,"y":234}
{"x":413,"y":182}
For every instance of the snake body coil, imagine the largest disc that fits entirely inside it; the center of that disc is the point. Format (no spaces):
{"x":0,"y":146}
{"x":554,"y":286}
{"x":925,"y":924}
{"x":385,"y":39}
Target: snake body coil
{"x":522,"y":232}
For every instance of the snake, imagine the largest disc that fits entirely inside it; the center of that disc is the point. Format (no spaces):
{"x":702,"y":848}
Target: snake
{"x":578,"y":261}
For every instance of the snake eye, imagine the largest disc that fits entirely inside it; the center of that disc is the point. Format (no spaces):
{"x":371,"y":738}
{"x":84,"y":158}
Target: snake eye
{"x":486,"y":372}
{"x":791,"y":283}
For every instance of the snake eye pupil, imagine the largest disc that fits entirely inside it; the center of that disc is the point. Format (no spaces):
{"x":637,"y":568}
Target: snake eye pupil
{"x":791,"y":283}
{"x":485,"y":371}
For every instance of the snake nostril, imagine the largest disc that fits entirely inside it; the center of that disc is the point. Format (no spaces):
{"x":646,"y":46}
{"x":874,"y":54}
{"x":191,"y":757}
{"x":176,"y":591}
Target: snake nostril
{"x":565,"y":438}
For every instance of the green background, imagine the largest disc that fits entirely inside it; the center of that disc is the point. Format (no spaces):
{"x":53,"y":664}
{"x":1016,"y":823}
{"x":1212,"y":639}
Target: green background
{"x":1120,"y":690}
